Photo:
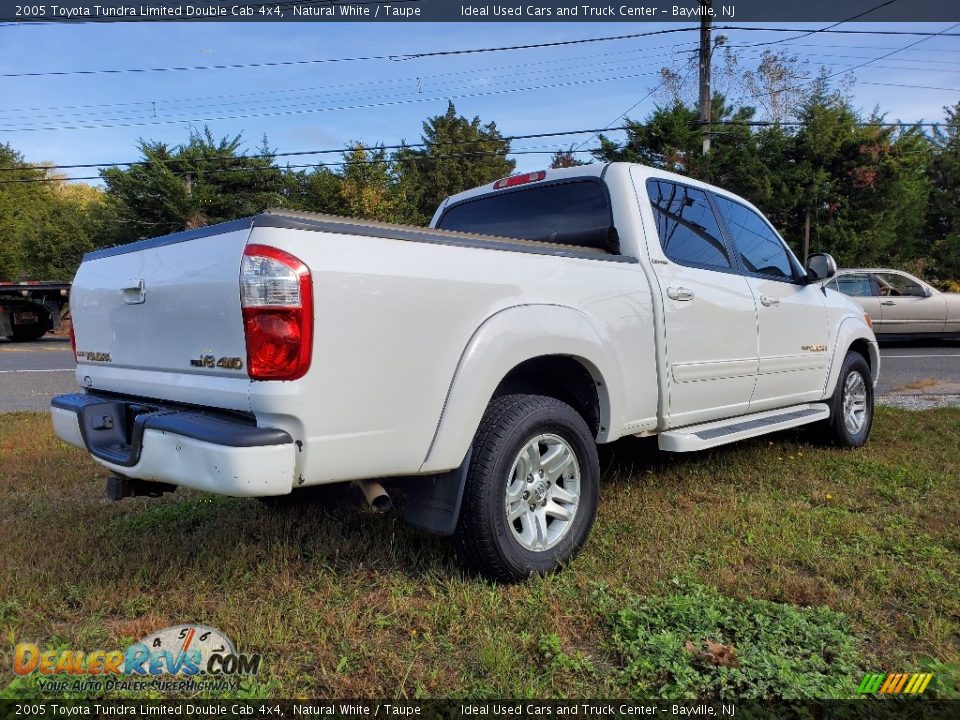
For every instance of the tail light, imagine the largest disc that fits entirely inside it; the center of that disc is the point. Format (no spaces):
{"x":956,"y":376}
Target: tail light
{"x":73,"y":342}
{"x":276,"y":294}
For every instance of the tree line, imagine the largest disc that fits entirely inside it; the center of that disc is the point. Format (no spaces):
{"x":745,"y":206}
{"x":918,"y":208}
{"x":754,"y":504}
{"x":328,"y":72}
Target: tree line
{"x":865,"y":190}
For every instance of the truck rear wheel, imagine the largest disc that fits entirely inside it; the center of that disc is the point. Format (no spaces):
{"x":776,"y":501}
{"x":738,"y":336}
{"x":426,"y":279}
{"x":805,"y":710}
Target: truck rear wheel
{"x":531,"y":492}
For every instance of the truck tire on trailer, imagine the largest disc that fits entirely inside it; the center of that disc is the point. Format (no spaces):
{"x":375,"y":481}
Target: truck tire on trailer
{"x":851,"y":407}
{"x":28,"y":333}
{"x":531,"y":492}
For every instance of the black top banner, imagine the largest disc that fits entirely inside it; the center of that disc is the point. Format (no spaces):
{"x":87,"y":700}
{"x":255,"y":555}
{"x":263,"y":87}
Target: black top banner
{"x":507,"y":709}
{"x":396,"y":11}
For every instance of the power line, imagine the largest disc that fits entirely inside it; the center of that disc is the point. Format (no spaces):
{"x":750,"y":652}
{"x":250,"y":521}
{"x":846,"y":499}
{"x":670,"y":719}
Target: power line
{"x":449,"y":53}
{"x":906,"y":85}
{"x":300,"y":110}
{"x":333,"y":151}
{"x":166,"y":101}
{"x":509,"y":138}
{"x":642,"y":54}
{"x":625,"y":112}
{"x":537,"y":75}
{"x":359,"y":58}
{"x":303,"y":108}
{"x":341,"y":163}
{"x":943,"y":32}
{"x":827,"y":28}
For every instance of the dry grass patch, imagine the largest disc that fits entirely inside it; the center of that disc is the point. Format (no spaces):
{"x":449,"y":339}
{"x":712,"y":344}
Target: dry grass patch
{"x":344,"y":604}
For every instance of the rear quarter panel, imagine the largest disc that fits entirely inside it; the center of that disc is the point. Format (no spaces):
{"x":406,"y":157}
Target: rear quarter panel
{"x":392,"y":320}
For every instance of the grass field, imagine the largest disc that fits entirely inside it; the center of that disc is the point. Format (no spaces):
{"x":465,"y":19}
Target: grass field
{"x":345,"y":604}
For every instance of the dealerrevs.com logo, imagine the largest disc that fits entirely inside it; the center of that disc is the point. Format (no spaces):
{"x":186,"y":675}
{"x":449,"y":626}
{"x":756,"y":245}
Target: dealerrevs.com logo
{"x":196,"y":656}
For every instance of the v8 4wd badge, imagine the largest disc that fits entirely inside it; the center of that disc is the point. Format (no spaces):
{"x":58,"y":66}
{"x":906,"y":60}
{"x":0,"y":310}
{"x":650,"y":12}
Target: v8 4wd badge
{"x":212,"y":361}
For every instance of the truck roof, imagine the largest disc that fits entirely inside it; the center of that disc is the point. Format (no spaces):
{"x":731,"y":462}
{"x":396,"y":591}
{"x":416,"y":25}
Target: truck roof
{"x":597,"y":170}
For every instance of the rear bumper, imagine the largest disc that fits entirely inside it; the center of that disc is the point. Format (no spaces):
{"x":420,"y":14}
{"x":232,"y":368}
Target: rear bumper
{"x":206,"y":450}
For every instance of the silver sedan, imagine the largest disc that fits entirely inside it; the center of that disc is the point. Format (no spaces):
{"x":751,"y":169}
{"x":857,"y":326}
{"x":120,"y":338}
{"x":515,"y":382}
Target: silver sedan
{"x":900,"y":305}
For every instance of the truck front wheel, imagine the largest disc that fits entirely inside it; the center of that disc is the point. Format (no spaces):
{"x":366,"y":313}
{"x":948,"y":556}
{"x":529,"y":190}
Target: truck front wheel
{"x":851,"y":407}
{"x":531,"y":492}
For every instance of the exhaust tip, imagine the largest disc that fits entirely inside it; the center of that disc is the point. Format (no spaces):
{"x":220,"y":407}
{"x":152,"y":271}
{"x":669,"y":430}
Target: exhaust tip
{"x":378,"y":500}
{"x":381,"y":504}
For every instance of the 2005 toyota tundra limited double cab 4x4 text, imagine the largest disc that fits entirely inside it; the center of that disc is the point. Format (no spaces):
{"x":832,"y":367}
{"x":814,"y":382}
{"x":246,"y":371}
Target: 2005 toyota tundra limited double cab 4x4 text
{"x":480,"y":360}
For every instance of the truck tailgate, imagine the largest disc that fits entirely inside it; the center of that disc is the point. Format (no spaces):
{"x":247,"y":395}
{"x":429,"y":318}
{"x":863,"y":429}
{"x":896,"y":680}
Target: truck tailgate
{"x":163,"y":316}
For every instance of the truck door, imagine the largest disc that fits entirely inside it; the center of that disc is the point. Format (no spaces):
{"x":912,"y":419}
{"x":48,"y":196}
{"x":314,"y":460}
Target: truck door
{"x":791,"y":314}
{"x":710,"y":318}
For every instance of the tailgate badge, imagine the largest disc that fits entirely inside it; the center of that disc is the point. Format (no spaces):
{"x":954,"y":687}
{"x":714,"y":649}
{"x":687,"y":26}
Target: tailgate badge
{"x":90,"y":356}
{"x":212,"y":361}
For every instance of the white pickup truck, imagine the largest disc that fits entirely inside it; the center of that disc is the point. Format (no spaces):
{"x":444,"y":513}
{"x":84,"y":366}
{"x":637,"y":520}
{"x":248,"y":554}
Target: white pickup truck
{"x":480,"y":360}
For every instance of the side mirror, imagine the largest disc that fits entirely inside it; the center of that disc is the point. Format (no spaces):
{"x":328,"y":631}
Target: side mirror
{"x":821,"y":266}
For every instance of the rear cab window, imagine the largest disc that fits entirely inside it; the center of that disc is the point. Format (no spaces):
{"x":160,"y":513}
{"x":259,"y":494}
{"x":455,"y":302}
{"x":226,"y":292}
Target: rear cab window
{"x":688,"y":230}
{"x":574,"y":212}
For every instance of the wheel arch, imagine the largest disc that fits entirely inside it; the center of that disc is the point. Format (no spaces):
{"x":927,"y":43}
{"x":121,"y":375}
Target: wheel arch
{"x":551,"y":350}
{"x":853,"y":334}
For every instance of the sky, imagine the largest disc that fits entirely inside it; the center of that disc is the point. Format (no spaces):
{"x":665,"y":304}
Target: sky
{"x":318,"y":106}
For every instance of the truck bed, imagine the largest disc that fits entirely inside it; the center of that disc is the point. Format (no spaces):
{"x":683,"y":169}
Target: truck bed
{"x":396,"y":309}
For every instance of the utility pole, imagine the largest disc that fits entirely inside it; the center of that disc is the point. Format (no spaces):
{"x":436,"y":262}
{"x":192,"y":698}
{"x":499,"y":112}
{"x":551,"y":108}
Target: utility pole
{"x":706,"y":50}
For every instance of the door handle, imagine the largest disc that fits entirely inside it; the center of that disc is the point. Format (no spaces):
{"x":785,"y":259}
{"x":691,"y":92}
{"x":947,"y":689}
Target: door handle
{"x":887,"y":302}
{"x":134,"y":295}
{"x":769,"y":300}
{"x":680,"y":293}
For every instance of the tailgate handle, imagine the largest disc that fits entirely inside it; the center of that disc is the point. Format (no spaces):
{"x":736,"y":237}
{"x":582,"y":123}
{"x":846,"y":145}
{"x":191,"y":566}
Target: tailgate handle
{"x":134,"y":295}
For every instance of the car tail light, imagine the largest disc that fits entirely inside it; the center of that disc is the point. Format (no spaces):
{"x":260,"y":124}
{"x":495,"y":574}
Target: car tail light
{"x":276,"y":294}
{"x":515,"y":180}
{"x":73,"y":342}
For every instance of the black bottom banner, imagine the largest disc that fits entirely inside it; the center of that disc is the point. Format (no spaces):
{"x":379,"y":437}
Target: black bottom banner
{"x":893,"y":708}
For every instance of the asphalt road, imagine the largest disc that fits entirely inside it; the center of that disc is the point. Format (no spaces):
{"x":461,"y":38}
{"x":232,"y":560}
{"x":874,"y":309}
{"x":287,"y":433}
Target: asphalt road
{"x":32,"y":373}
{"x":915,"y":368}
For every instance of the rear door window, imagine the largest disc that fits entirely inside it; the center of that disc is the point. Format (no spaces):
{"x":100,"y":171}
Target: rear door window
{"x":546,"y":212}
{"x":688,"y":229}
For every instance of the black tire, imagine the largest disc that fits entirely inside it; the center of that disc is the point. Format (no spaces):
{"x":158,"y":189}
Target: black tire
{"x":484,"y":536}
{"x":329,"y":494}
{"x":28,"y":333}
{"x":836,"y":430}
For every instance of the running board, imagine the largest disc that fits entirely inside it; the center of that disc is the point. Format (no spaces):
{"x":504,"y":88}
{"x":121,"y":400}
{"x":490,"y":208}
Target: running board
{"x":721,"y":432}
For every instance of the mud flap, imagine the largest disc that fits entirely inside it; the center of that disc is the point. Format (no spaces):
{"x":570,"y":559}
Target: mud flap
{"x":433,"y":501}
